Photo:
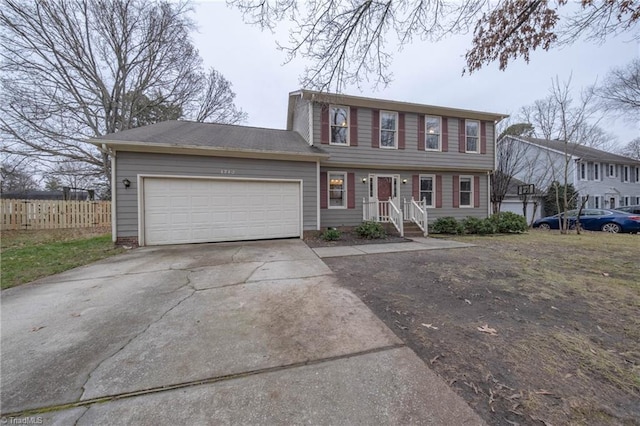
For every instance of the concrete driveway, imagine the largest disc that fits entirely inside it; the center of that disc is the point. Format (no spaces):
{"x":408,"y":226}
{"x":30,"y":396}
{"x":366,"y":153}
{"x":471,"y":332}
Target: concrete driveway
{"x":252,"y":333}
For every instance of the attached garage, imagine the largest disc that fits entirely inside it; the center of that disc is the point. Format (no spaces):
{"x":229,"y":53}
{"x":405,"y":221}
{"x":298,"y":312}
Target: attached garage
{"x":191,"y":210}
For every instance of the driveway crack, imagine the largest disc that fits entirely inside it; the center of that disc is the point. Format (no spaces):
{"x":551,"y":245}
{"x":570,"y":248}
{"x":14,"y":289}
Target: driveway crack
{"x":175,"y":305}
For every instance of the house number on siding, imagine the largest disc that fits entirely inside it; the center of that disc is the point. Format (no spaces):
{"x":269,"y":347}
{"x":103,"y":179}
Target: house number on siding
{"x":227,"y":172}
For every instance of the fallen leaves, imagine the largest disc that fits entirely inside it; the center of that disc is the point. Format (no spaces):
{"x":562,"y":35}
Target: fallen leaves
{"x":429,"y":326}
{"x":40,"y":327}
{"x":486,"y":329}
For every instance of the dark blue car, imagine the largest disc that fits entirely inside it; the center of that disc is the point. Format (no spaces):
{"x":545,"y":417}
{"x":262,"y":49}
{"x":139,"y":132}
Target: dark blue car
{"x":594,"y":220}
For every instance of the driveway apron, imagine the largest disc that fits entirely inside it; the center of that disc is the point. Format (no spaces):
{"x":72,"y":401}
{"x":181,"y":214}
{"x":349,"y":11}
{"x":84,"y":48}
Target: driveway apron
{"x":256,"y":333}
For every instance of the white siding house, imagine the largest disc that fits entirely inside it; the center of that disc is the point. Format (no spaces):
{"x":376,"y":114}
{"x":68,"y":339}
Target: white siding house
{"x":609,"y":180}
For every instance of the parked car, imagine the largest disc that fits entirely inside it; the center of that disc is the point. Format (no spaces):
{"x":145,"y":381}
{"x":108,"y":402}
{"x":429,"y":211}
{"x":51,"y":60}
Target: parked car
{"x":594,"y":220}
{"x":629,"y":209}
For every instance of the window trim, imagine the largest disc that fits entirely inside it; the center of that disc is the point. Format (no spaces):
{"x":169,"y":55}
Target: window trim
{"x":344,"y":190}
{"x":471,"y":194}
{"x":395,"y":131}
{"x":638,"y":174}
{"x":582,"y":171}
{"x":466,"y":137}
{"x":426,"y":148}
{"x":348,"y":126}
{"x":433,"y":190}
{"x":596,"y":172}
{"x":611,"y":171}
{"x":625,"y":174}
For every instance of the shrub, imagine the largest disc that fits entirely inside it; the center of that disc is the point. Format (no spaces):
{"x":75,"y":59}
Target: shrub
{"x":446,"y":225}
{"x":472,"y":225}
{"x":371,"y":230}
{"x":331,"y":234}
{"x":507,"y":222}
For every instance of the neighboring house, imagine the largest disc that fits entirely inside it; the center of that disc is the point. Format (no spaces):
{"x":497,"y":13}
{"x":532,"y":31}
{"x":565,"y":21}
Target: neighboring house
{"x":343,"y":159}
{"x":514,"y":203}
{"x":609,"y":180}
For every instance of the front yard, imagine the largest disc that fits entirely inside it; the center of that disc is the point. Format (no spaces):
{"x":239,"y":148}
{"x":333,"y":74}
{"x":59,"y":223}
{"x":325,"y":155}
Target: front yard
{"x":537,"y":329}
{"x":29,"y":255}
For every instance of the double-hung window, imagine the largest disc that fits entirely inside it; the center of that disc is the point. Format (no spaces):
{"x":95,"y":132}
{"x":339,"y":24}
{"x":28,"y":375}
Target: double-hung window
{"x":466,"y":191}
{"x":337,"y":190}
{"x":612,"y":170}
{"x":625,"y":175}
{"x":432,"y":133}
{"x":596,"y":171}
{"x":583,"y":171}
{"x":339,"y":121}
{"x":388,"y":129}
{"x":427,"y":189}
{"x":472,"y":134}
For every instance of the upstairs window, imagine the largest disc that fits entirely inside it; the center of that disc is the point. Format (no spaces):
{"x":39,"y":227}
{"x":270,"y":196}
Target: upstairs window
{"x":432,"y":133}
{"x":612,"y":170}
{"x":388,"y":129}
{"x":427,"y":191}
{"x":472,"y":135}
{"x":339,"y":121}
{"x":596,"y":171}
{"x":625,"y":174}
{"x":583,"y":171}
{"x":637,"y":174}
{"x":466,"y":192}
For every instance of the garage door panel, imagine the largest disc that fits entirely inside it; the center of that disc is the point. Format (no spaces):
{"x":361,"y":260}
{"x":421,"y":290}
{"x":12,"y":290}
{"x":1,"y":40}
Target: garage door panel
{"x":180,"y":210}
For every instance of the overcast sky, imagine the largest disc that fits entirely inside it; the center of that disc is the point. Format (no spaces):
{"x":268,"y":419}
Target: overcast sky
{"x":427,"y":73}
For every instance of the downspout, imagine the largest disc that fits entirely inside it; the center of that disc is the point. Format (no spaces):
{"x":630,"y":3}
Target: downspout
{"x":489,"y":194}
{"x":311,"y":123}
{"x":318,"y":195}
{"x":114,"y":228}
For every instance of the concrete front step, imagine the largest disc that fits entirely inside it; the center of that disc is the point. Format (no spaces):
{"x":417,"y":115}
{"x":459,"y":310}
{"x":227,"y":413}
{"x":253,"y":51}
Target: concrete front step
{"x":412,"y":230}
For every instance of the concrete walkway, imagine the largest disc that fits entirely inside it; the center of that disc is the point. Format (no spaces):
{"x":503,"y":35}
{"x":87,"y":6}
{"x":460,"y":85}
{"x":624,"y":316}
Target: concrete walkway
{"x":255,"y":333}
{"x":418,"y":243}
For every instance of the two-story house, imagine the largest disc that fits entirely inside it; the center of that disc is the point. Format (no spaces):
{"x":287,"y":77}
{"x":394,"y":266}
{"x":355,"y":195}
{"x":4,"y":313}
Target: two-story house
{"x":341,"y":160}
{"x":608,"y":180}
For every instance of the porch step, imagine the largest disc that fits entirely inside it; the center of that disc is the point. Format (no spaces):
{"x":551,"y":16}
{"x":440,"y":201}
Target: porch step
{"x":411,"y":229}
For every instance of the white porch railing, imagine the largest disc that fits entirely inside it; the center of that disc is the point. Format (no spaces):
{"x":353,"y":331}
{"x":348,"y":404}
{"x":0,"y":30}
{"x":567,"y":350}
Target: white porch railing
{"x":417,"y":212}
{"x":383,"y":211}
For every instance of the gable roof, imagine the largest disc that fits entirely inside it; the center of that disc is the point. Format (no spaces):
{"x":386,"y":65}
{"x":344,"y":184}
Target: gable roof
{"x":211,"y":138}
{"x":358,"y":101}
{"x":580,"y":151}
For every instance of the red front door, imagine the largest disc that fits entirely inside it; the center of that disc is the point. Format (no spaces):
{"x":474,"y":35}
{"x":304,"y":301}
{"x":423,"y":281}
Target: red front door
{"x":384,"y":193}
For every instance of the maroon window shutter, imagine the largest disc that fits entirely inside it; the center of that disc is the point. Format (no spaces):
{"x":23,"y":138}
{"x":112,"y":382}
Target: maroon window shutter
{"x":461,"y":139}
{"x":351,"y":190}
{"x":323,"y":190}
{"x":483,"y":137}
{"x":456,"y":191}
{"x":476,"y":191}
{"x":353,"y":130}
{"x":416,"y":187}
{"x":375,"y":128}
{"x":445,"y":134}
{"x":401,"y":130}
{"x":324,"y":124}
{"x":438,"y":191}
{"x":421,"y":139}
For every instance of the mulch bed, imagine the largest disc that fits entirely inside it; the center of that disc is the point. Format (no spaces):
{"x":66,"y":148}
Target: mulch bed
{"x":349,"y":238}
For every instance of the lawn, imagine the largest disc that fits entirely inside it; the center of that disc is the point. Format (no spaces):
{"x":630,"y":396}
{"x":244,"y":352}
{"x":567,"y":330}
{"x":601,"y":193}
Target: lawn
{"x":29,"y":255}
{"x":539,"y":328}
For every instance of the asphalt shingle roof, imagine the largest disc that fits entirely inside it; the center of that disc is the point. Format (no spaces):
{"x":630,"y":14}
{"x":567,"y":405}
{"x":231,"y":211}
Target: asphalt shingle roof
{"x":191,"y":134}
{"x":581,"y":151}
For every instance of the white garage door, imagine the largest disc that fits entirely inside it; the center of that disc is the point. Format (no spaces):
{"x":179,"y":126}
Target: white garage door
{"x":178,"y":211}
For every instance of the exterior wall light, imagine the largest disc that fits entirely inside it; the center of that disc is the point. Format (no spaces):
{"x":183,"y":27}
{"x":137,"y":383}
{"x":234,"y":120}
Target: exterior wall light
{"x":364,"y":180}
{"x":404,"y":181}
{"x":126,"y":182}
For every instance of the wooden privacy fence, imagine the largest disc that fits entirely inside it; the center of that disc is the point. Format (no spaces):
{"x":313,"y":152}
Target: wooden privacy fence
{"x":52,"y":214}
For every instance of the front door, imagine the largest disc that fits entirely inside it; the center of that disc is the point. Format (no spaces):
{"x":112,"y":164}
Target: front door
{"x":385,"y":187}
{"x":612,"y":203}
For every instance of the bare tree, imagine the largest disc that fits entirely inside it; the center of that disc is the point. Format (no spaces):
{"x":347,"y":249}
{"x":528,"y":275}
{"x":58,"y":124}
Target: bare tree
{"x":16,"y":176}
{"x":353,"y":41}
{"x":620,"y":91}
{"x":511,"y":157}
{"x":75,"y":69}
{"x":632,"y":149}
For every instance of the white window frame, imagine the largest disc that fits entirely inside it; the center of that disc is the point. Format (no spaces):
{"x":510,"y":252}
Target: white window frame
{"x":582,"y":171}
{"x":331,"y":125}
{"x":344,"y":190}
{"x":638,"y":174}
{"x":596,"y":172}
{"x":627,"y":200}
{"x":611,"y":170}
{"x":426,"y":147}
{"x":395,"y":131}
{"x":597,"y":202}
{"x":471,"y":194}
{"x":625,"y":174}
{"x":373,"y":185}
{"x":466,"y":137}
{"x":433,"y":190}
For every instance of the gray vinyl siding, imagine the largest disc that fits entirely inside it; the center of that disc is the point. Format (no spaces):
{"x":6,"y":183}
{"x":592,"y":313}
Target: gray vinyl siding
{"x":131,"y":164}
{"x":364,"y":154}
{"x":301,"y":118}
{"x":353,"y":217}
